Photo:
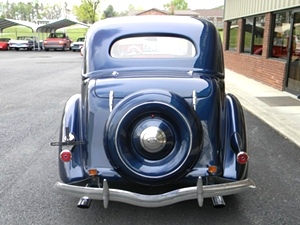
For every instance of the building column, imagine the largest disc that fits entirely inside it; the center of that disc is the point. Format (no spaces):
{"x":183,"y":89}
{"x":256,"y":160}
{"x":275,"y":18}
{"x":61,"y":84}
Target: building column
{"x":225,"y":35}
{"x":267,"y":36}
{"x":240,"y":36}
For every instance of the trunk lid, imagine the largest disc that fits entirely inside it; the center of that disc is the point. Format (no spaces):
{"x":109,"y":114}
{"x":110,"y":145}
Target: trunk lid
{"x":184,"y":87}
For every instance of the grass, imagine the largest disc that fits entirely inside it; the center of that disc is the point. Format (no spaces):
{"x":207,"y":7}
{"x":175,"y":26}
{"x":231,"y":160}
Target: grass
{"x":233,"y":38}
{"x":221,"y":35}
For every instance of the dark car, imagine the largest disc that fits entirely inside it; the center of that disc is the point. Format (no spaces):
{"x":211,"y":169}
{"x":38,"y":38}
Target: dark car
{"x":153,"y":125}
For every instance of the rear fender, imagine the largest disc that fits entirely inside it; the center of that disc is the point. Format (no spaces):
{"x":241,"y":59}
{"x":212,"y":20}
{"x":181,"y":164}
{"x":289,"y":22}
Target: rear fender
{"x":235,"y":139}
{"x":71,"y":127}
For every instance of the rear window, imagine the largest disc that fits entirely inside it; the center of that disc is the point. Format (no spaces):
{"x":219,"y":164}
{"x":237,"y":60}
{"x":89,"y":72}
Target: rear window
{"x":153,"y":47}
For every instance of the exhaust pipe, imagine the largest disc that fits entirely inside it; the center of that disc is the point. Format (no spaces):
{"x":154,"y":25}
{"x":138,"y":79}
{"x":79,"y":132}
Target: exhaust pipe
{"x":218,"y":201}
{"x":84,"y":202}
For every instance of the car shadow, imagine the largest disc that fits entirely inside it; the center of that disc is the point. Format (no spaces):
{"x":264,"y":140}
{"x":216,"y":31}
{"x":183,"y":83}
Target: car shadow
{"x":187,"y":212}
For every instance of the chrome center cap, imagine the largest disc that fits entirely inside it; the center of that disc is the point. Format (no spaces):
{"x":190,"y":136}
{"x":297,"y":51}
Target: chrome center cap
{"x":153,"y":139}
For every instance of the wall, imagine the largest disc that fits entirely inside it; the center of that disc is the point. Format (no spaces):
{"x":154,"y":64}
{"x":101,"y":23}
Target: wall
{"x":234,"y":9}
{"x":269,"y":71}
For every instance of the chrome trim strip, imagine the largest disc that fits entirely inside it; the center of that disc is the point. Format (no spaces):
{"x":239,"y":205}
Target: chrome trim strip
{"x":111,"y":100}
{"x":194,"y":99}
{"x":197,"y":192}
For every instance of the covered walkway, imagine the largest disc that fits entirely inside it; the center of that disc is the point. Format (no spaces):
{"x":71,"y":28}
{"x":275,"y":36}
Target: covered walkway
{"x":5,"y":23}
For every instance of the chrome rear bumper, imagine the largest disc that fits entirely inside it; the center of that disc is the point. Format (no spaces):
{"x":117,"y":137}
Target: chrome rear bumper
{"x":198,"y":192}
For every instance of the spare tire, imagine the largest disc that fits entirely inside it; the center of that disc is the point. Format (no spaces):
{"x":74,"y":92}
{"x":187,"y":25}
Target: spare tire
{"x":153,"y":137}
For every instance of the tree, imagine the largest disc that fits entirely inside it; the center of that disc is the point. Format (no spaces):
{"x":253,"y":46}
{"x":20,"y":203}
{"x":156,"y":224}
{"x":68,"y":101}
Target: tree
{"x":109,"y":12}
{"x":125,"y":13}
{"x":22,"y":11}
{"x":2,"y":10}
{"x":176,"y":5}
{"x":29,"y":11}
{"x":86,"y":12}
{"x":51,"y":12}
{"x":130,"y":7}
{"x":37,"y":10}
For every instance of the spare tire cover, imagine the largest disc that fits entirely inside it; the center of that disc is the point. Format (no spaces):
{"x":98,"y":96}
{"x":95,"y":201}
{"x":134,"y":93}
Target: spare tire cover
{"x":153,"y":137}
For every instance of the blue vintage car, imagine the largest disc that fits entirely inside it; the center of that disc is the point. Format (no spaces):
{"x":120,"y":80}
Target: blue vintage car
{"x":153,"y":125}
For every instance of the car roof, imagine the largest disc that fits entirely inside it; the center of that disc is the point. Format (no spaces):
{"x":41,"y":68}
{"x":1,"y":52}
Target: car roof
{"x":200,"y":32}
{"x":134,"y":24}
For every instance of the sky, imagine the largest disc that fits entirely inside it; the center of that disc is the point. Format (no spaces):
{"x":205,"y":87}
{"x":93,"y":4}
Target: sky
{"x":122,"y":5}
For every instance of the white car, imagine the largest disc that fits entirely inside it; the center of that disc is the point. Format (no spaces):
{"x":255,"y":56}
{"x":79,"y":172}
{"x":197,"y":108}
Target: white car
{"x":76,"y":46}
{"x":25,"y":42}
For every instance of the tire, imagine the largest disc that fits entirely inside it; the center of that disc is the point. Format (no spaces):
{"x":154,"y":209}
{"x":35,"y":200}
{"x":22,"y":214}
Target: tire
{"x":153,"y":137}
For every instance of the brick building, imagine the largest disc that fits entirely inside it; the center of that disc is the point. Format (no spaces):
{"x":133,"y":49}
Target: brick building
{"x":213,"y":15}
{"x":262,"y":41}
{"x":155,"y":11}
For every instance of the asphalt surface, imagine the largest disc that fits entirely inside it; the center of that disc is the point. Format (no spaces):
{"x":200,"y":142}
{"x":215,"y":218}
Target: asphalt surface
{"x":279,"y":109}
{"x":34,"y":87}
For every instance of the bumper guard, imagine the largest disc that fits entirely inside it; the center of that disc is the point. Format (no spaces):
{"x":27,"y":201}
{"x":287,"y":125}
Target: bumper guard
{"x":198,"y":192}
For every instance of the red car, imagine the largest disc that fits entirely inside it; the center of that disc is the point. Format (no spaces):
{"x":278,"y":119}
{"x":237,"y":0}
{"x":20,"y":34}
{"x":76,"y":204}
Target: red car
{"x":57,"y":41}
{"x":4,"y":45}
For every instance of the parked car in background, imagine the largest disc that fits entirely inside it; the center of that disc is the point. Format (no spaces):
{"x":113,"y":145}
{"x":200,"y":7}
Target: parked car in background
{"x":152,"y":125}
{"x":25,"y":42}
{"x":4,"y":43}
{"x":77,"y":45}
{"x":57,"y":41}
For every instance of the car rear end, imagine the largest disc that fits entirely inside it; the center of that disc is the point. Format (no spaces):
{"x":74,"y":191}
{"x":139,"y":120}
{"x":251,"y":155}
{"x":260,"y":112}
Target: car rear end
{"x":77,"y":46}
{"x":153,"y":125}
{"x":53,"y":43}
{"x":21,"y":44}
{"x":4,"y":43}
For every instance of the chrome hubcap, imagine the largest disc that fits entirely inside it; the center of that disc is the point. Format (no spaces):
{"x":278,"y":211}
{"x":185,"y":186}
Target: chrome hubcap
{"x":153,"y":139}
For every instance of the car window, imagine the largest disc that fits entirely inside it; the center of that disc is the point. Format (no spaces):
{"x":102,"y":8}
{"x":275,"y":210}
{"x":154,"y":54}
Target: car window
{"x":153,"y":47}
{"x":4,"y":39}
{"x":57,"y":35}
{"x":60,"y":35}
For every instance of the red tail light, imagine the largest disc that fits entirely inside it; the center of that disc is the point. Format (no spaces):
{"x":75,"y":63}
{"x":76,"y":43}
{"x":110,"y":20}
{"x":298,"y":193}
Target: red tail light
{"x":242,"y":158}
{"x":66,"y":155}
